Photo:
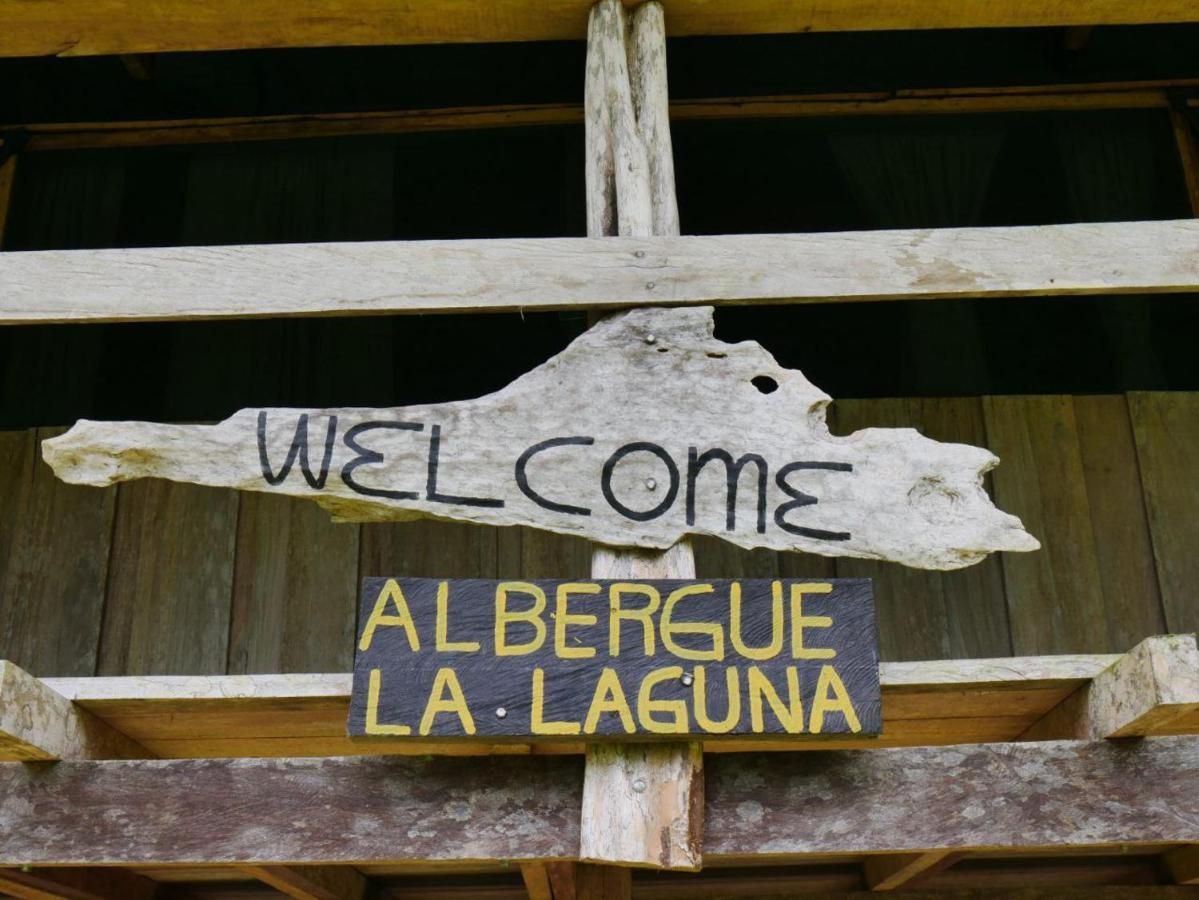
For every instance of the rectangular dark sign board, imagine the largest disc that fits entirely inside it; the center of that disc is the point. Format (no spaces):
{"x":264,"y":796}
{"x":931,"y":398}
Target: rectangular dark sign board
{"x":587,"y":660}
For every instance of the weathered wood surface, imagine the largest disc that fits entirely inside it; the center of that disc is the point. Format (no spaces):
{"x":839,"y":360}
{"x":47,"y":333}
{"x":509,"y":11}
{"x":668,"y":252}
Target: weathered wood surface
{"x":55,"y":543}
{"x":1166,"y":426}
{"x":1067,"y":796}
{"x":615,"y":469}
{"x":37,"y":723}
{"x":1149,"y":691}
{"x":565,"y":273}
{"x":73,"y":28}
{"x":1054,"y":794}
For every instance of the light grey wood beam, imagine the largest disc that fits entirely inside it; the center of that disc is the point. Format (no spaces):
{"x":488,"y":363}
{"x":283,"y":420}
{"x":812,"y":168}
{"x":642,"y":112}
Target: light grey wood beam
{"x":512,"y":275}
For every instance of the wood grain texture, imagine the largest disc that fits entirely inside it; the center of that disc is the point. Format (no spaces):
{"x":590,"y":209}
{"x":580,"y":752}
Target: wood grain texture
{"x":1147,"y":692}
{"x":1188,"y":153}
{"x":170,"y":581}
{"x":54,"y":551}
{"x":312,"y":882}
{"x":1067,"y":795}
{"x":889,"y":871}
{"x":673,"y":421}
{"x":1166,"y":427}
{"x":572,"y":273}
{"x":1052,"y":595}
{"x":76,"y":884}
{"x":920,"y":614}
{"x":71,"y":27}
{"x":598,"y":882}
{"x":268,"y":812}
{"x":1070,"y":796}
{"x":36,"y":723}
{"x":537,"y":881}
{"x":294,"y":585}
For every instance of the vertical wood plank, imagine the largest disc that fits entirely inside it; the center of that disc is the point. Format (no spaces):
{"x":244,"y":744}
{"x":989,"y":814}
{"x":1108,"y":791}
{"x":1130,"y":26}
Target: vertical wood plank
{"x":428,"y":549}
{"x":1166,"y":429}
{"x":8,"y":177}
{"x":1131,"y":601}
{"x":1188,"y":154}
{"x":54,"y":549}
{"x":294,"y":588}
{"x":594,"y":882}
{"x":931,"y":615}
{"x":170,"y":580}
{"x":529,"y":553}
{"x":1054,"y":595}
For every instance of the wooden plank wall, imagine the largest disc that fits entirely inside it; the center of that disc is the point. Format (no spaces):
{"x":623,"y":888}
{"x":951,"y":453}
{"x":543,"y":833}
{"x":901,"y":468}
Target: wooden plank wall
{"x":152,"y":577}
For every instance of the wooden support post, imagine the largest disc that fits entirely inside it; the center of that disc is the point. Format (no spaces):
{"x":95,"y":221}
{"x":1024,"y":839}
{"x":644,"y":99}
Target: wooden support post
{"x":642,"y":803}
{"x":38,"y":724}
{"x":1143,"y":693}
{"x":562,"y":879}
{"x":75,"y":884}
{"x":8,"y":175}
{"x":1188,"y":151}
{"x":1183,"y":865}
{"x":537,"y":881}
{"x":312,"y":882}
{"x":892,"y":870}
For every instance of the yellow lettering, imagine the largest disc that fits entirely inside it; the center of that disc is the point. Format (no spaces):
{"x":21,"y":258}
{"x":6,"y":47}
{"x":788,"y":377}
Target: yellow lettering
{"x":799,"y":622}
{"x":608,"y":697}
{"x":380,"y":617}
{"x":670,"y":629}
{"x":532,"y":616}
{"x":829,"y":682}
{"x":776,"y":623}
{"x":444,"y":681}
{"x":536,"y":725}
{"x":562,"y":619}
{"x":443,"y":625}
{"x":733,"y":686}
{"x":642,"y":615}
{"x":790,"y":715}
{"x":373,"y":726}
{"x":646,"y":705}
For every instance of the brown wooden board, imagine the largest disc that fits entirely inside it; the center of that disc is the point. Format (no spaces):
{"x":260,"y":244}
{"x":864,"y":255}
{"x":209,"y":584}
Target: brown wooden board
{"x":611,"y":659}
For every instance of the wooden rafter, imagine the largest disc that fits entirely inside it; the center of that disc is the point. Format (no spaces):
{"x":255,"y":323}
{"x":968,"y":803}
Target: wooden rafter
{"x":49,"y":136}
{"x":511,"y":275}
{"x":1072,"y":797}
{"x":76,"y":27}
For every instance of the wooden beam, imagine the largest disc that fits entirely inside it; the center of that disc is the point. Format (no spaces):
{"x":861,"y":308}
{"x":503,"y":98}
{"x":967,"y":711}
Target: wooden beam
{"x":8,"y":175}
{"x":514,"y":275}
{"x":1070,"y":796}
{"x":536,"y":877}
{"x":1183,"y":865}
{"x":562,"y":879}
{"x":76,"y":28}
{"x":48,"y":136}
{"x":38,"y":724}
{"x":642,"y":803}
{"x":312,"y":882}
{"x":892,"y":870}
{"x":1188,"y":150}
{"x":179,"y":716}
{"x":1147,"y":691}
{"x":75,"y":884}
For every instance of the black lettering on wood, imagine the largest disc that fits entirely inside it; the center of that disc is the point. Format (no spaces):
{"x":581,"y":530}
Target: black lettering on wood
{"x":431,"y":492}
{"x":732,"y":471}
{"x":368,"y":457}
{"x":522,"y":475}
{"x":299,"y":446}
{"x":801,"y":499}
{"x":610,"y":466}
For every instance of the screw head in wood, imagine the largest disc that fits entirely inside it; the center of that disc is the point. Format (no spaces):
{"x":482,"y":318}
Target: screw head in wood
{"x":686,"y":679}
{"x":501,"y":713}
{"x":651,"y":339}
{"x":639,"y":786}
{"x":651,"y":484}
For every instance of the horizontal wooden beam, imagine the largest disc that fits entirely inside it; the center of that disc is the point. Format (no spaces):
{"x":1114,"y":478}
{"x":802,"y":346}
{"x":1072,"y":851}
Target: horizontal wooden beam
{"x":312,"y":882}
{"x":513,"y":275}
{"x":1150,"y":690}
{"x":75,"y":27}
{"x":1068,"y":796}
{"x":86,"y":883}
{"x":36,"y":723}
{"x":923,"y":101}
{"x":181,"y":716}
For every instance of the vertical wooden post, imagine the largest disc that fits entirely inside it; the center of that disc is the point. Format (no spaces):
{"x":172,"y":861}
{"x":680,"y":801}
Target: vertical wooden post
{"x":8,"y":174}
{"x":1188,"y":151}
{"x":642,"y":803}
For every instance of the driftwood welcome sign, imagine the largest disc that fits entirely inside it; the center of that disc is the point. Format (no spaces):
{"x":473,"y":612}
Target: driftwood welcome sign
{"x":612,"y":659}
{"x":644,"y":430}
